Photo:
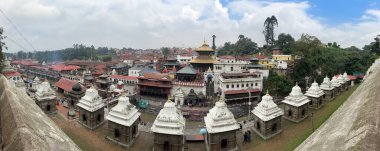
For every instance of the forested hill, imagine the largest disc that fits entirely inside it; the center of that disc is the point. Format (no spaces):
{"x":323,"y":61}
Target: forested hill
{"x":78,"y":51}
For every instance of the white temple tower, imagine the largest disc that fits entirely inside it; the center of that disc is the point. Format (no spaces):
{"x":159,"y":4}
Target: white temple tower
{"x":296,"y":105}
{"x":91,"y":109}
{"x":45,"y":98}
{"x":316,"y":95}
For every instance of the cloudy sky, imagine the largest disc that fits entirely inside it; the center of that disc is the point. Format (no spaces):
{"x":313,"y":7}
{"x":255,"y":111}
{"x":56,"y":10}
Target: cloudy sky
{"x":57,"y":24}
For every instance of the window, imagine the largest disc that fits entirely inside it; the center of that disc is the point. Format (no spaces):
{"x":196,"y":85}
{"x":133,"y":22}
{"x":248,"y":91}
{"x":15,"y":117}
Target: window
{"x":232,"y":68}
{"x":99,"y":118}
{"x":232,"y":86}
{"x":251,"y":84}
{"x":223,"y":143}
{"x":237,"y":85}
{"x":227,"y":86}
{"x":48,"y":108}
{"x":303,"y":112}
{"x":255,"y":84}
{"x":247,"y":85}
{"x":242,"y":85}
{"x":290,"y":113}
{"x":258,"y":126}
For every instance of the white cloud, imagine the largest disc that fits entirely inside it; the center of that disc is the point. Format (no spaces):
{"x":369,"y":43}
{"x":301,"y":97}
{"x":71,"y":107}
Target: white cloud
{"x":53,"y":25}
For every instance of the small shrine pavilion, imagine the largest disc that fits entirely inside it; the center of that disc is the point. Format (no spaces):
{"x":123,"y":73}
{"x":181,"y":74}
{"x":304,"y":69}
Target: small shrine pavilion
{"x":342,"y":82}
{"x":168,"y":129}
{"x":335,"y":83}
{"x":123,"y":121}
{"x":221,"y":127}
{"x":296,"y":105}
{"x":327,"y":89}
{"x":45,"y":98}
{"x":316,"y":95}
{"x":91,"y":109}
{"x":267,"y":117}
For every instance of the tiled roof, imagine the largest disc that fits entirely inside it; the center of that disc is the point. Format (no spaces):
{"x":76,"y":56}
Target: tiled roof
{"x":65,"y":84}
{"x":64,"y":68}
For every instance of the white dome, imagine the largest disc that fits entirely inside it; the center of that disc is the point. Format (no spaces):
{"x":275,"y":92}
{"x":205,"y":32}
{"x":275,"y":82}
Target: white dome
{"x":296,"y":91}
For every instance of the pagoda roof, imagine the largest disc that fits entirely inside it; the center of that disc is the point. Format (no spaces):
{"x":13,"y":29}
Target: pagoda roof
{"x":124,"y":113}
{"x":187,"y":70}
{"x":204,"y":60}
{"x":122,"y":77}
{"x":267,"y":109}
{"x":91,"y":101}
{"x":204,"y":47}
{"x":220,"y":119}
{"x":169,"y":121}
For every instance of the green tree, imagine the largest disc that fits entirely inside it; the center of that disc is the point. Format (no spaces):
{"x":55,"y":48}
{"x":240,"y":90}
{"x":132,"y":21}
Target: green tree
{"x":165,"y":51}
{"x":376,"y":46}
{"x":269,"y":24}
{"x":244,"y":46}
{"x":285,"y":42}
{"x":2,"y":46}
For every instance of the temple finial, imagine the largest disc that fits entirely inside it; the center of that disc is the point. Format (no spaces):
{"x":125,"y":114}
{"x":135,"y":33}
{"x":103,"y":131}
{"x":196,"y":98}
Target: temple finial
{"x":297,"y":83}
{"x":267,"y":92}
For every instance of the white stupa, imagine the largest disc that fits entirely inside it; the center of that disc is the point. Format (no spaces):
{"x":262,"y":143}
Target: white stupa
{"x":44,"y":92}
{"x":340,"y":79}
{"x":91,"y":101}
{"x":220,"y":119}
{"x":326,"y":84}
{"x":169,"y":121}
{"x":296,"y":97}
{"x":179,"y":97}
{"x":119,"y":87}
{"x":267,"y":109}
{"x":345,"y":76}
{"x":114,"y":72}
{"x":36,"y":82}
{"x":124,"y":113}
{"x":314,"y":91}
{"x":334,"y":82}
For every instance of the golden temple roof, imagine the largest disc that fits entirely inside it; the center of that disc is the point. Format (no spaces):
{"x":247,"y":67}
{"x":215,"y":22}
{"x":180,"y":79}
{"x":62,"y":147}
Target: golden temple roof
{"x":206,"y":60}
{"x":204,"y":47}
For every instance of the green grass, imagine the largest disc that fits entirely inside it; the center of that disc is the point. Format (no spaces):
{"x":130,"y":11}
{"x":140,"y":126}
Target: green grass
{"x":321,"y":116}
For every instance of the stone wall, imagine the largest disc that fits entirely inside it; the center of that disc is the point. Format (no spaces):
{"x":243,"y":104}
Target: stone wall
{"x":356,"y":124}
{"x":24,"y":126}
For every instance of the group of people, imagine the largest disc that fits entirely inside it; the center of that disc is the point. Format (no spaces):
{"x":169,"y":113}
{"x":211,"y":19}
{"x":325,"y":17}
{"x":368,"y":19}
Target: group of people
{"x":247,"y":137}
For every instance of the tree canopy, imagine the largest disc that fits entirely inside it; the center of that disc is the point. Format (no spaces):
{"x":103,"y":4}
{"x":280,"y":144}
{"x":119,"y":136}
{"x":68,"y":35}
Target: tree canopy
{"x":243,"y":46}
{"x":2,"y":46}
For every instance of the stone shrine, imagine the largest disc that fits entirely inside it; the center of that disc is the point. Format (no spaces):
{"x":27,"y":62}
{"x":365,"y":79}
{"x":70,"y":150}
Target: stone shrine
{"x":316,"y":95}
{"x":91,"y":109}
{"x":45,"y":98}
{"x":296,"y":105}
{"x":267,"y":117}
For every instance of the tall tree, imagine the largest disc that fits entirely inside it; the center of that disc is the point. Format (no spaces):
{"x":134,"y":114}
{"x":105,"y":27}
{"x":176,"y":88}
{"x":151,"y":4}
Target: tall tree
{"x":165,"y":51}
{"x":376,"y":46}
{"x":269,"y":25}
{"x":2,"y":45}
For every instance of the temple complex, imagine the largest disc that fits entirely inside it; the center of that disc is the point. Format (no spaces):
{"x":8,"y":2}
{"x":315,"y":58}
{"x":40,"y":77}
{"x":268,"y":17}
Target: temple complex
{"x":316,"y":96}
{"x":11,"y":74}
{"x":327,"y":89}
{"x":168,"y":129}
{"x":205,"y":59}
{"x":91,"y":109}
{"x":335,"y":83}
{"x":296,"y":105}
{"x":221,"y":128}
{"x":267,"y":117}
{"x":45,"y":98}
{"x":123,"y":120}
{"x":187,"y":74}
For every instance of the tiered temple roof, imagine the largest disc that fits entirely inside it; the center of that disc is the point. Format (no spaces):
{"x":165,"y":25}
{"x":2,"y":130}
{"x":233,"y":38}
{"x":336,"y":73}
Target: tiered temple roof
{"x":267,"y":109}
{"x":326,"y":84}
{"x":169,"y":121}
{"x":91,"y":101}
{"x":296,"y":97}
{"x":314,"y":91}
{"x":124,"y":113}
{"x":220,"y":119}
{"x":45,"y":92}
{"x":335,"y":82}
